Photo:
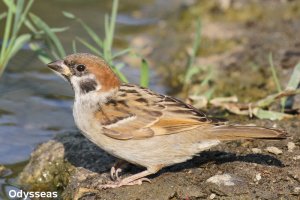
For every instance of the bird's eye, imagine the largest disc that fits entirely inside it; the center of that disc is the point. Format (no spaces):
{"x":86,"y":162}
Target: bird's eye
{"x":80,"y":68}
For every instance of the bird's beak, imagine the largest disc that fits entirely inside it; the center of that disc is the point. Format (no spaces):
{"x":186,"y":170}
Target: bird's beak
{"x":60,"y":67}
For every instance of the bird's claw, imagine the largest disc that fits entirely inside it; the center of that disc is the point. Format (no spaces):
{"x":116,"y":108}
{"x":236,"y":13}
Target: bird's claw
{"x":114,"y":173}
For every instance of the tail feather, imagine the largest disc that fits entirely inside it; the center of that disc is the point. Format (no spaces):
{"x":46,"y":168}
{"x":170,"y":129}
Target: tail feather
{"x":236,"y":132}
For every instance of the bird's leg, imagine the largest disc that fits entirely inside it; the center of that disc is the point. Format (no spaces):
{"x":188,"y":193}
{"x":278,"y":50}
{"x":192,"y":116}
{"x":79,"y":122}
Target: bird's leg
{"x":116,"y":169}
{"x":136,"y":179}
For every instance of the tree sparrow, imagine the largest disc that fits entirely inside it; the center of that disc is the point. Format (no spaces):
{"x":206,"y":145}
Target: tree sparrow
{"x":138,"y":125}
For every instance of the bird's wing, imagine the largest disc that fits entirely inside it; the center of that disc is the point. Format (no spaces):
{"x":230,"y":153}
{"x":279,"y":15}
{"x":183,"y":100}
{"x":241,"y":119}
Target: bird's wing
{"x":137,"y":113}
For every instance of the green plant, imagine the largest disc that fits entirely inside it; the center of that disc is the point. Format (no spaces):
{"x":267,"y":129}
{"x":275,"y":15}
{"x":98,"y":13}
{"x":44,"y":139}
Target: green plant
{"x":260,"y":108}
{"x":101,"y":47}
{"x":193,"y":69}
{"x":276,"y":80}
{"x":47,"y":34}
{"x":12,"y":40}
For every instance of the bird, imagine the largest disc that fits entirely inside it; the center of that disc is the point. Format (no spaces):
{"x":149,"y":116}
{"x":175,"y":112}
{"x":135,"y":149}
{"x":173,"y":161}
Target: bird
{"x":138,"y":125}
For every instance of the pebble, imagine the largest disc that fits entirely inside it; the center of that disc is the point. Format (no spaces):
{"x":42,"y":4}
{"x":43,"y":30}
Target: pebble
{"x":274,"y":150}
{"x":291,"y":146}
{"x":223,"y":179}
{"x":212,"y":196}
{"x":256,"y":150}
{"x":258,"y":177}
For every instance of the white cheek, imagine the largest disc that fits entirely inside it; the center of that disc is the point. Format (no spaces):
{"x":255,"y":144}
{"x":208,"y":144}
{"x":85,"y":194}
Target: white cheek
{"x":75,"y":81}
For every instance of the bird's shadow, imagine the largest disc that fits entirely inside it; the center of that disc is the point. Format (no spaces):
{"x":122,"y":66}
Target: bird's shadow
{"x":221,"y":157}
{"x":80,"y":152}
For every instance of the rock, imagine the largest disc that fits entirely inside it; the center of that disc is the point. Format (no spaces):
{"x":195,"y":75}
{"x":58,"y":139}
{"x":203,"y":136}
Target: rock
{"x":46,"y":166}
{"x":256,"y":150}
{"x":274,"y":150}
{"x":56,"y":164}
{"x":257,"y":177}
{"x":223,"y":179}
{"x":291,"y":146}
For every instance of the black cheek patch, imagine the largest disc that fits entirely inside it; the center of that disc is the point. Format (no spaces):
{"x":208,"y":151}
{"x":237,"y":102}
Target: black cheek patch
{"x":88,"y":85}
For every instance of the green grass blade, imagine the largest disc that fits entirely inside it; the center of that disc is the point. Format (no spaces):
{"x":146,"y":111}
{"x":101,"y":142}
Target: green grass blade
{"x":11,"y":5}
{"x":59,"y":29}
{"x":44,"y":58}
{"x":113,"y":22}
{"x":89,"y":46}
{"x":20,"y":16}
{"x":121,"y":53}
{"x":271,"y":115}
{"x":17,"y":20}
{"x":197,"y":41}
{"x":24,"y":14}
{"x":295,"y":78}
{"x":30,"y":26}
{"x":276,"y":80}
{"x":43,"y":26}
{"x":54,"y":30}
{"x":144,"y":81}
{"x":106,"y":45}
{"x":91,"y":33}
{"x":42,"y":55}
{"x":7,"y":31}
{"x":274,"y":74}
{"x":191,"y":72}
{"x":120,"y":75}
{"x":54,"y":54}
{"x":68,"y":15}
{"x":19,"y":43}
{"x":88,"y":29}
{"x":74,"y":46}
{"x":193,"y":54}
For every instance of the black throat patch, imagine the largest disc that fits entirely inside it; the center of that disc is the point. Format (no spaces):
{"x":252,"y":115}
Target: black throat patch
{"x":87,"y":85}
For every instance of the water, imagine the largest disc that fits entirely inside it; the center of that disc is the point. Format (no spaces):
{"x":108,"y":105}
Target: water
{"x":35,"y":104}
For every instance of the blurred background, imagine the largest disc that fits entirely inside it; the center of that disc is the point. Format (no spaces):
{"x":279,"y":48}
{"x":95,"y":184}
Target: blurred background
{"x":193,"y":49}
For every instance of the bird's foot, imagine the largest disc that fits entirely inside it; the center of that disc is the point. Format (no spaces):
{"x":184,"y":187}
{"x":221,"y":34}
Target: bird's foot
{"x":124,"y":182}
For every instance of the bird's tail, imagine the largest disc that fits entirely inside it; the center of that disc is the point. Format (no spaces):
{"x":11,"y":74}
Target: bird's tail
{"x":236,"y":132}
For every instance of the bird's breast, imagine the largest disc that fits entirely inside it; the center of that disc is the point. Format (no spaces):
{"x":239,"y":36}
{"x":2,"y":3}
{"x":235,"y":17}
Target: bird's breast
{"x":85,"y":120}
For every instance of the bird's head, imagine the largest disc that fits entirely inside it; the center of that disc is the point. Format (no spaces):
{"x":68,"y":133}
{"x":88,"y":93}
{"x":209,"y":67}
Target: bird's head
{"x":86,"y":73}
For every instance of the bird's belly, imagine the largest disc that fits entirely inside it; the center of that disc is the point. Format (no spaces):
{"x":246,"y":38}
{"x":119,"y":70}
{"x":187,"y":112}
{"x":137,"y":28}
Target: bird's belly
{"x":150,"y":152}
